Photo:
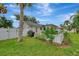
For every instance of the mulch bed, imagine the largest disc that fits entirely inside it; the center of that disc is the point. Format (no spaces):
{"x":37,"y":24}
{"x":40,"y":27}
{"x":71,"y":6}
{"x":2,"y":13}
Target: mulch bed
{"x":65,"y":44}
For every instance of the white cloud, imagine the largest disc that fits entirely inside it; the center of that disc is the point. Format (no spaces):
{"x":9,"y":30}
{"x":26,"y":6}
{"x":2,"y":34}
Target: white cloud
{"x":16,"y":11}
{"x":64,"y":17}
{"x":12,"y":17}
{"x":13,"y":8}
{"x":42,"y":20}
{"x":44,"y":9}
{"x":12,"y":5}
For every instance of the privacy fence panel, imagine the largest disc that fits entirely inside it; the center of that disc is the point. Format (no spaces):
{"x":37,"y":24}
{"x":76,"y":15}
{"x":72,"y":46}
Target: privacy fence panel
{"x":8,"y":33}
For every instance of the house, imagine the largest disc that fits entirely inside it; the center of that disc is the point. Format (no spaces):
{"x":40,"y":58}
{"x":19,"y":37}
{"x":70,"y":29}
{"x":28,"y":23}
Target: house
{"x":32,"y":26}
{"x":52,"y":26}
{"x":38,"y":28}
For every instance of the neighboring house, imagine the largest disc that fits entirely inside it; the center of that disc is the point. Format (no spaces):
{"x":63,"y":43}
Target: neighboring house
{"x":38,"y":28}
{"x":52,"y":26}
{"x":58,"y":28}
{"x":32,"y":26}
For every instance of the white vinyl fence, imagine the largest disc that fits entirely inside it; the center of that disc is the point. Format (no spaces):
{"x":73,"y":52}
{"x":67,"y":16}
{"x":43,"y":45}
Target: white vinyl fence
{"x":8,"y":33}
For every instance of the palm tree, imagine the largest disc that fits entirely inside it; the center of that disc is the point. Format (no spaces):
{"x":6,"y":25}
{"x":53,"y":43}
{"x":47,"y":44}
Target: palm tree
{"x":27,"y":18}
{"x":75,"y":21}
{"x":22,"y":6}
{"x":5,"y":23}
{"x":61,"y":25}
{"x":33,"y":19}
{"x":67,"y":24}
{"x":3,"y":9}
{"x":18,"y":17}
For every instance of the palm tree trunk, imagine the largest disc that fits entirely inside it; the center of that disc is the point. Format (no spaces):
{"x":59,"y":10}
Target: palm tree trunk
{"x":20,"y":34}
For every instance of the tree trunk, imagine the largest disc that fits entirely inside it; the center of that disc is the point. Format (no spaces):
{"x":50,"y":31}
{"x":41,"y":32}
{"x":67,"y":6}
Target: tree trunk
{"x":20,"y":33}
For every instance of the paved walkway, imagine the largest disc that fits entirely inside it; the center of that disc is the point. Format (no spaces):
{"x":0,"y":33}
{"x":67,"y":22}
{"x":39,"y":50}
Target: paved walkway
{"x":59,"y":38}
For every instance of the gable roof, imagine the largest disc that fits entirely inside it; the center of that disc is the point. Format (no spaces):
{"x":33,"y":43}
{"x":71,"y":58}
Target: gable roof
{"x":31,"y":24}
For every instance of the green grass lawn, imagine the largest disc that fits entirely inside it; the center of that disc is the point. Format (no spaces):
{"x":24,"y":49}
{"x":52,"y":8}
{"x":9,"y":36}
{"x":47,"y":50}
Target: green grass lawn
{"x":35,"y":47}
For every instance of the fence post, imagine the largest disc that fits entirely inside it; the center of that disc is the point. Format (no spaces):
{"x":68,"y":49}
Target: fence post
{"x":8,"y":32}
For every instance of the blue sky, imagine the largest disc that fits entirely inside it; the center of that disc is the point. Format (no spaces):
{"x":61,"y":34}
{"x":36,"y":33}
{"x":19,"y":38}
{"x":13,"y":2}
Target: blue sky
{"x":46,"y":13}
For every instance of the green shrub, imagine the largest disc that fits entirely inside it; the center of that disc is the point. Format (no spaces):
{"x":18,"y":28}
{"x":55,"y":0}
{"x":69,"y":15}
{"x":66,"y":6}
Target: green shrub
{"x":66,"y":40}
{"x":50,"y":33}
{"x":40,"y":37}
{"x":66,"y":35}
